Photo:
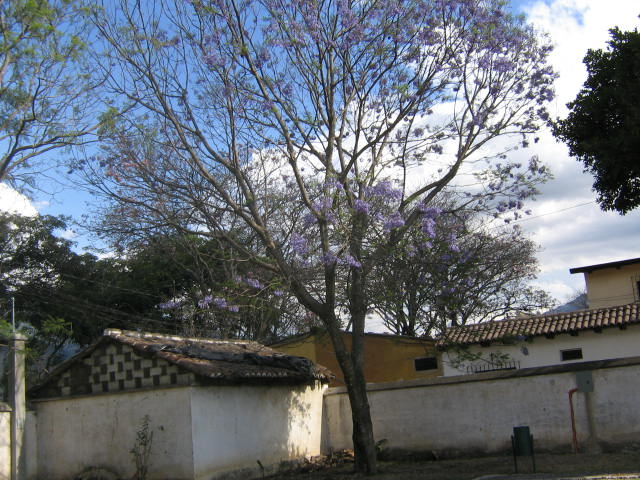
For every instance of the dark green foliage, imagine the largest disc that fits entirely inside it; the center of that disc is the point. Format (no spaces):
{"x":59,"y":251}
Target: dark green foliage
{"x":64,"y":299}
{"x":71,"y":297}
{"x":48,"y":281}
{"x":603,"y":127}
{"x":200,"y":269}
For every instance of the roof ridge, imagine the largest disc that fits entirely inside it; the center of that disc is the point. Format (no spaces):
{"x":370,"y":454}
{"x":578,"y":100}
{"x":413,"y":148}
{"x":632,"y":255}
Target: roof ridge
{"x":543,"y":315}
{"x":114,"y":332}
{"x":546,"y":324}
{"x":231,"y":361}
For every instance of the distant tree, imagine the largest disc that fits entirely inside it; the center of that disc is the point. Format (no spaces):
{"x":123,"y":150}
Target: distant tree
{"x":31,"y":260}
{"x":576,"y":301}
{"x":603,"y":126}
{"x":47,"y":279}
{"x":427,"y":288}
{"x":55,"y":287}
{"x":210,"y":293}
{"x":43,"y":101}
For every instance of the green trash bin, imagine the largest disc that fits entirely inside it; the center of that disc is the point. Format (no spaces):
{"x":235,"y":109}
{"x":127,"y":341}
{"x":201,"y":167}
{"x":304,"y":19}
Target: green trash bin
{"x":522,"y":443}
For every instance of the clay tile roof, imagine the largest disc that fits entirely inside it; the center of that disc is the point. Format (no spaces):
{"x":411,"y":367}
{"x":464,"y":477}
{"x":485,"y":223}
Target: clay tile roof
{"x":231,"y":360}
{"x":550,"y":324}
{"x":217,"y":361}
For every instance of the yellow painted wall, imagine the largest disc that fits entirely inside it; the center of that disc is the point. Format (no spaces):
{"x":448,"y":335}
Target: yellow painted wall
{"x":306,"y":347}
{"x":387,"y":358}
{"x":612,"y":286}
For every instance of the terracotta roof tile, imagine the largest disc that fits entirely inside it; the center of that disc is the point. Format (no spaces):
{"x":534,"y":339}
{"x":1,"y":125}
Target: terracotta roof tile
{"x":221,"y":361}
{"x":550,"y":324}
{"x":233,"y":360}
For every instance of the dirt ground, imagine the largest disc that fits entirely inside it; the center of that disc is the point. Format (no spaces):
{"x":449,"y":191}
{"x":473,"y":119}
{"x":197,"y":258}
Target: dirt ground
{"x":624,"y":465}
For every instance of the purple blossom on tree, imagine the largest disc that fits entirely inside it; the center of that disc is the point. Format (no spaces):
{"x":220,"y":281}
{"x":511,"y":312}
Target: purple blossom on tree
{"x":395,"y":220}
{"x":205,"y":130}
{"x":329,"y":258}
{"x":204,"y":302}
{"x":220,"y":302}
{"x":299,"y":244}
{"x":350,"y":261}
{"x":170,"y":304}
{"x":254,"y":283}
{"x":428,"y":227}
{"x":385,"y":191}
{"x":361,"y":206}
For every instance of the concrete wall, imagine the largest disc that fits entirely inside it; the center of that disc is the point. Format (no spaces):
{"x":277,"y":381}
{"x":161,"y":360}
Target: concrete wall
{"x":100,"y":430}
{"x":5,"y":441}
{"x":198,"y":432}
{"x":31,"y":446}
{"x":477,"y":413}
{"x":612,"y":286}
{"x":610,"y":343}
{"x":235,"y":427}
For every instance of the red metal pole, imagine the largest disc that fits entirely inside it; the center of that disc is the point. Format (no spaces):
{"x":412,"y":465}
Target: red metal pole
{"x":573,"y":422}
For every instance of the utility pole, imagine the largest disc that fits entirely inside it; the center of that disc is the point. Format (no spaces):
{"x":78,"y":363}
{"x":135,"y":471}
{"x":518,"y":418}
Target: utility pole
{"x":17,"y":400}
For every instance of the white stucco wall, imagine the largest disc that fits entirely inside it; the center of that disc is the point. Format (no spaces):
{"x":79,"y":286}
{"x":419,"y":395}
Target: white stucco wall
{"x":198,"y":432}
{"x":30,"y":446}
{"x":100,"y":431}
{"x":455,"y":415}
{"x":234,"y":427}
{"x":610,"y":343}
{"x":5,"y":446}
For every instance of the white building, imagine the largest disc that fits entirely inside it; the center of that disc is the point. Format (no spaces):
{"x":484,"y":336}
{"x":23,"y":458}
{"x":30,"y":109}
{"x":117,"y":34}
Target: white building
{"x":214,"y":408}
{"x":609,"y":329}
{"x":580,"y":336}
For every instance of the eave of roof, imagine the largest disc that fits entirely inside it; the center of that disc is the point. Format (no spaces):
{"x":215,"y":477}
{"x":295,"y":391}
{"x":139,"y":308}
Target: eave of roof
{"x":217,"y":361}
{"x":541,"y":325}
{"x":600,"y":266}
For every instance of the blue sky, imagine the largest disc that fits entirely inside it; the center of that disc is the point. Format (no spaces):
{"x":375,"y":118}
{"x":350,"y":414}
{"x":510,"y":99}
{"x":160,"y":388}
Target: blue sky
{"x":570,"y":228}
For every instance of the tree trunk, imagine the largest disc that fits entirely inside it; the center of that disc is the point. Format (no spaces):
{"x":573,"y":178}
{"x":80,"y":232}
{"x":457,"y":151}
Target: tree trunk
{"x":364,"y":446}
{"x":363,"y":441}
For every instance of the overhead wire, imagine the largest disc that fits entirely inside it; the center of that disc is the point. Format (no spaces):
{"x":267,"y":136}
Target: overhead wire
{"x":97,"y":310}
{"x":108,"y":313}
{"x":552,"y":213}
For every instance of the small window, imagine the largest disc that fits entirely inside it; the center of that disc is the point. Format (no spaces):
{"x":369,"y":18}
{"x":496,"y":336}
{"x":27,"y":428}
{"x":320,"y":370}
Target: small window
{"x":426,"y":363}
{"x":573,"y":354}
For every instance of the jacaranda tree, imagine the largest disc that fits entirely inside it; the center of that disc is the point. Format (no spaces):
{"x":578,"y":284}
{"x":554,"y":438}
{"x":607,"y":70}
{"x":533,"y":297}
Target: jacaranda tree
{"x":427,"y":287}
{"x":313,"y":135}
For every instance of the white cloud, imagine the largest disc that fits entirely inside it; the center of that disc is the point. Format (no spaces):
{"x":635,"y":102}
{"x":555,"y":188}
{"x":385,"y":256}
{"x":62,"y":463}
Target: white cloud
{"x":575,"y":26}
{"x":12,"y":201}
{"x":572,"y":231}
{"x":68,"y":234}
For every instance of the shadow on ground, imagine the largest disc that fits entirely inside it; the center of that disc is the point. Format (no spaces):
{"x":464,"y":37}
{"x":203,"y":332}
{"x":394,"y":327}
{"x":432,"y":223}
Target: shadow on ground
{"x":566,"y":466}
